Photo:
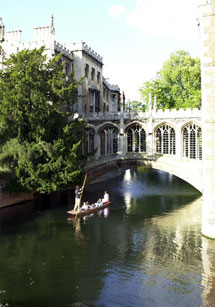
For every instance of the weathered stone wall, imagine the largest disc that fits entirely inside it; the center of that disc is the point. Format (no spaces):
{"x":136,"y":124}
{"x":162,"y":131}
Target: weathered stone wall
{"x":207,"y":25}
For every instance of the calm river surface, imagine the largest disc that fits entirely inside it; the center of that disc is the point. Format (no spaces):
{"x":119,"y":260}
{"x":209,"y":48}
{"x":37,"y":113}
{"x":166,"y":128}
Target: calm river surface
{"x":147,"y":250}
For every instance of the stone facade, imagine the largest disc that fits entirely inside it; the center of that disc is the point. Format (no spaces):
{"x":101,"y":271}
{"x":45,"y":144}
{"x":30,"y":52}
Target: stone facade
{"x":96,"y":94}
{"x":207,"y":26}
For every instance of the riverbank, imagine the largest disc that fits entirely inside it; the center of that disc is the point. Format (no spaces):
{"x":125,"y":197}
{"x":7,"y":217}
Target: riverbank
{"x":9,"y":199}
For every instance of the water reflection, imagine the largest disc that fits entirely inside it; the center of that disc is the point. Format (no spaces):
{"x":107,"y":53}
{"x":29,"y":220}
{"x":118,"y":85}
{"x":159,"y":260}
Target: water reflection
{"x":145,"y":250}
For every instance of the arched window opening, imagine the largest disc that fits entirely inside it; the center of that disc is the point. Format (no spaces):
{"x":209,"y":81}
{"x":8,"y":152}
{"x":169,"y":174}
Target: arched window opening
{"x":136,"y":139}
{"x":165,"y":140}
{"x":172,"y":141}
{"x":158,"y":141}
{"x":192,"y":142}
{"x":89,"y":141}
{"x":129,"y":140}
{"x":192,"y":145}
{"x":142,"y":140}
{"x":185,"y":143}
{"x":109,"y":140}
{"x":102,"y":136}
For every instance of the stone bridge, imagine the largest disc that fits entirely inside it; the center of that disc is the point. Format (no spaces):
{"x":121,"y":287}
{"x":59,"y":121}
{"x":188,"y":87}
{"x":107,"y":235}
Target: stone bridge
{"x":187,"y":169}
{"x":169,"y":140}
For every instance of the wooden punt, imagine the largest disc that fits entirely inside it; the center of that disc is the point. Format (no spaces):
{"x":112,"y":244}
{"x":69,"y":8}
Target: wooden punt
{"x":76,"y":214}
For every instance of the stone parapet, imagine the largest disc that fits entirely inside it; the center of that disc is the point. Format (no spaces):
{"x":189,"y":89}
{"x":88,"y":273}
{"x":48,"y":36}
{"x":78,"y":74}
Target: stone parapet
{"x":111,"y":87}
{"x":63,"y":49}
{"x":82,"y":46}
{"x":159,"y":114}
{"x":13,"y":36}
{"x":102,"y":117}
{"x":42,"y":33}
{"x":178,"y":113}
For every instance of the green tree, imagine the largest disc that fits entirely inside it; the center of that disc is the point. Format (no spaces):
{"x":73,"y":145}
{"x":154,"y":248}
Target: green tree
{"x":135,"y":105}
{"x":177,"y":84}
{"x":38,"y":143}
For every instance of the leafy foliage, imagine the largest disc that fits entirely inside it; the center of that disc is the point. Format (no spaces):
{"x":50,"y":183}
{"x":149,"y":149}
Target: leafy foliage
{"x":38,"y":143}
{"x":136,"y":106}
{"x":178,"y":84}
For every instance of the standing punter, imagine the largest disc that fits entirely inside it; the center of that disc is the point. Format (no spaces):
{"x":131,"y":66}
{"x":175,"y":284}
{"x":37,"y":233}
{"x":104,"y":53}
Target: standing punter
{"x":78,"y":192}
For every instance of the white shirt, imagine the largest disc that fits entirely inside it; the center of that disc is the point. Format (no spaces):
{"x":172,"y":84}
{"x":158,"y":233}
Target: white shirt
{"x":106,"y":198}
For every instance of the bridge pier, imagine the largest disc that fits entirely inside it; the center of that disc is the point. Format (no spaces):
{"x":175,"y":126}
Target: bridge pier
{"x":207,"y":25}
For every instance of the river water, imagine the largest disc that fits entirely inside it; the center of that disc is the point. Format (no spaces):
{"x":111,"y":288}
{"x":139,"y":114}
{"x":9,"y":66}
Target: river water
{"x":146,"y":250}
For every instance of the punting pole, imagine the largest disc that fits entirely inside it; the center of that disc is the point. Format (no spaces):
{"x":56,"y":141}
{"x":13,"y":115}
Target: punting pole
{"x":85,"y":178}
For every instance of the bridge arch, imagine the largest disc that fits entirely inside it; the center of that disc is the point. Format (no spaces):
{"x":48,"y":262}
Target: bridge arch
{"x":167,"y":163}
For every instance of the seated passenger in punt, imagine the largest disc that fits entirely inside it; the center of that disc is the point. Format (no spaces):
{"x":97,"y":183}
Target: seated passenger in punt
{"x":106,"y":197}
{"x":85,"y":206}
{"x":99,"y":203}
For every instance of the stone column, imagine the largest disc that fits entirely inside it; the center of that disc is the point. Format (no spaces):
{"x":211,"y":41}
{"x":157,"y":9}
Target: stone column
{"x":97,"y":145}
{"x":121,"y":148}
{"x":207,"y":26}
{"x":178,"y":144}
{"x":149,"y":138}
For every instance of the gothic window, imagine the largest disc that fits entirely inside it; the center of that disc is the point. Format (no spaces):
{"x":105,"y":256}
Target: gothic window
{"x":165,"y":140}
{"x":94,"y":97}
{"x":113,"y":98}
{"x":136,"y":139}
{"x":109,"y":140}
{"x":172,"y":142}
{"x":92,"y":73}
{"x":86,"y":70}
{"x":97,"y":101}
{"x":192,"y":142}
{"x":98,"y":77}
{"x":91,"y":98}
{"x":89,"y":141}
{"x":67,"y":69}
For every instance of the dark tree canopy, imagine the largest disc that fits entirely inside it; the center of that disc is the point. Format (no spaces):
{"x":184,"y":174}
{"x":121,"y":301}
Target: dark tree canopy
{"x":38,"y":143}
{"x":177,"y":84}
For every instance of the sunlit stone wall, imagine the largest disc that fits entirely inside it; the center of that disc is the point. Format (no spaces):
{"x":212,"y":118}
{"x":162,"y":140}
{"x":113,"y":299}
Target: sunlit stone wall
{"x":207,"y":26}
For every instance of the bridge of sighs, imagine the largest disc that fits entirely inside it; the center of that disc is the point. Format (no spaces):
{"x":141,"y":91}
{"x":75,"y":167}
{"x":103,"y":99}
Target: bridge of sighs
{"x":169,"y":140}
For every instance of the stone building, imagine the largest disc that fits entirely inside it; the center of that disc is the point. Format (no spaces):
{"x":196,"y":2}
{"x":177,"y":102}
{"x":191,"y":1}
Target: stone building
{"x":96,"y":94}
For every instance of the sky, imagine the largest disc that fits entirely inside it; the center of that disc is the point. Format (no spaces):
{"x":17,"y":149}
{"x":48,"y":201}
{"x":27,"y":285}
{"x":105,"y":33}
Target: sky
{"x":134,"y":37}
